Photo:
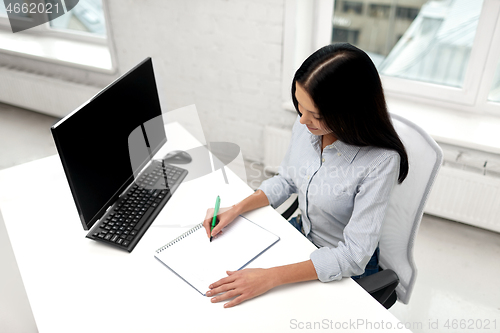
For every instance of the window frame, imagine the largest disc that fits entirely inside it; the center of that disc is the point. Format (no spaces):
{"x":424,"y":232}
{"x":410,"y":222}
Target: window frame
{"x":355,"y":9}
{"x":491,"y":62}
{"x":46,"y":29}
{"x":472,"y":97}
{"x":304,"y":32}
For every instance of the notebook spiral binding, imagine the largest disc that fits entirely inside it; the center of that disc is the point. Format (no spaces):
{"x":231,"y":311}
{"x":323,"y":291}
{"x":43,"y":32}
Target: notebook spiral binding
{"x":184,"y":235}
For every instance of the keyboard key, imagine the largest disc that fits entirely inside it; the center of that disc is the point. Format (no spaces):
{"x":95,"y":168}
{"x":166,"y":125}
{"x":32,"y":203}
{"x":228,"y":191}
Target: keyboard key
{"x":139,"y":225}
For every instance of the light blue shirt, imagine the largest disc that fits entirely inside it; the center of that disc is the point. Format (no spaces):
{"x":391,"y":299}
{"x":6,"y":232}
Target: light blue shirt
{"x":343,"y":195}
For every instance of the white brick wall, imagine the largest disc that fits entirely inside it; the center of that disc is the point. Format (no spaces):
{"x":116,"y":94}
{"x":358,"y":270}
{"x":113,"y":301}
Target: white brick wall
{"x":223,"y":56}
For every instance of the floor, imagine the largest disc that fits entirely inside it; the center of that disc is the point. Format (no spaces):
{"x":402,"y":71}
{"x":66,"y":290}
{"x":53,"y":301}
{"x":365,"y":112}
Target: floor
{"x":458,"y":285}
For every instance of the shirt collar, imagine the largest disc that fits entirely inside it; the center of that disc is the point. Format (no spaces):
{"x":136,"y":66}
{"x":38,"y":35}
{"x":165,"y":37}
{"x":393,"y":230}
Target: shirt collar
{"x":348,"y":151}
{"x":345,"y":150}
{"x":315,"y":142}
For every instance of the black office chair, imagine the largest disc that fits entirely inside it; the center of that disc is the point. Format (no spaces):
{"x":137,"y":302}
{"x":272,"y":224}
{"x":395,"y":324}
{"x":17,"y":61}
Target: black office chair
{"x":396,"y":279}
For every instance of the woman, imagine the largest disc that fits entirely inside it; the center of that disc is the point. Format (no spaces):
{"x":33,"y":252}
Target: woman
{"x":343,"y":161}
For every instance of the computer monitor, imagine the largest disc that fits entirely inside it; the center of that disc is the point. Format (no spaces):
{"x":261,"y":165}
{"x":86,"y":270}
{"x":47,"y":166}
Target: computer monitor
{"x":93,"y":141}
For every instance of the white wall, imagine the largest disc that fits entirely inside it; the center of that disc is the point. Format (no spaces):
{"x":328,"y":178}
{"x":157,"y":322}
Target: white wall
{"x":223,"y":56}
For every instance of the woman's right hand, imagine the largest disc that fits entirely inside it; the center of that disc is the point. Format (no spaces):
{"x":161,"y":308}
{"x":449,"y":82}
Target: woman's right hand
{"x":228,"y":214}
{"x":225,"y":216}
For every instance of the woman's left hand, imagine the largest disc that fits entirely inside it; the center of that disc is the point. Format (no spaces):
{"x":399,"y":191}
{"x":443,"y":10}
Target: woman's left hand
{"x":245,"y":284}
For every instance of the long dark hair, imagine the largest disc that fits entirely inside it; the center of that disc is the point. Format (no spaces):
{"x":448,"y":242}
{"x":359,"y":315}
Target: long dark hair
{"x":345,"y":86}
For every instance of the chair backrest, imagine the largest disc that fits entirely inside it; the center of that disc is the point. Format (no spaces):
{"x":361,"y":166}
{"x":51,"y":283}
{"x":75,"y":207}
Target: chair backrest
{"x":406,"y":205}
{"x":15,"y":310}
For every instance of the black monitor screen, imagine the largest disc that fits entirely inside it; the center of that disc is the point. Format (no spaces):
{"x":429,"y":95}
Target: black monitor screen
{"x":93,"y":141}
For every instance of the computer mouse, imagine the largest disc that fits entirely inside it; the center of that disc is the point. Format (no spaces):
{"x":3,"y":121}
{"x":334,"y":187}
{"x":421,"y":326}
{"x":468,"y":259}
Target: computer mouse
{"x":178,"y":157}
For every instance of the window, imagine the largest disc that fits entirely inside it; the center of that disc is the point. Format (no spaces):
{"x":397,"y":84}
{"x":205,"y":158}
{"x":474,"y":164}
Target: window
{"x":406,"y":13}
{"x":380,"y":11}
{"x":437,"y":45}
{"x":434,"y":49}
{"x":83,"y":16}
{"x":440,"y":52}
{"x":352,"y":7}
{"x":87,"y":16}
{"x":78,"y":37}
{"x":345,"y":35}
{"x":379,"y":29}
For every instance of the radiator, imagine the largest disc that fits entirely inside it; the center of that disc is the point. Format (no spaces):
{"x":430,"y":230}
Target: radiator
{"x":276,"y":141}
{"x":43,"y":94}
{"x":466,"y":197}
{"x":467,"y":188}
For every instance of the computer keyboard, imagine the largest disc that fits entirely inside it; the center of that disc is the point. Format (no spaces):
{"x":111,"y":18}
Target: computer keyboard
{"x":126,"y":222}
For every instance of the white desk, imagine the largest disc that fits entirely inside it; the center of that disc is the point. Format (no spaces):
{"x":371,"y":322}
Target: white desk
{"x":78,"y":285}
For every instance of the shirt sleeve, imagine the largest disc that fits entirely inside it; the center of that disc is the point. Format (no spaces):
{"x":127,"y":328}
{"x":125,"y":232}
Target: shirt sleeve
{"x":280,"y":187}
{"x":362,"y":232}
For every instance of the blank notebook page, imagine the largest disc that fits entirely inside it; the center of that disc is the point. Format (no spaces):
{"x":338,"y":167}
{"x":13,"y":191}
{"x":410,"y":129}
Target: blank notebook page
{"x":200,"y":262}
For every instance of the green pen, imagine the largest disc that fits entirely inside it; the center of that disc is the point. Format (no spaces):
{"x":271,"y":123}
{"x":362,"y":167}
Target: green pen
{"x":214,"y":220}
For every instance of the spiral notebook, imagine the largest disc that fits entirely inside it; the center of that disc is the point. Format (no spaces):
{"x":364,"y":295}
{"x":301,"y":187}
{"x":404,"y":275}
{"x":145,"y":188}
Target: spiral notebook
{"x":200,"y":262}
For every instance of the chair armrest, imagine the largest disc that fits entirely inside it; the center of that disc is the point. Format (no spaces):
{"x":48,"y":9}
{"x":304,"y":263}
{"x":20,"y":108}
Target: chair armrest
{"x":380,"y":285}
{"x":290,"y":210}
{"x":375,"y":282}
